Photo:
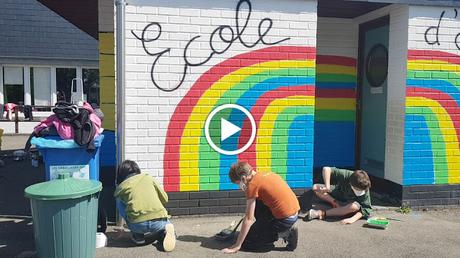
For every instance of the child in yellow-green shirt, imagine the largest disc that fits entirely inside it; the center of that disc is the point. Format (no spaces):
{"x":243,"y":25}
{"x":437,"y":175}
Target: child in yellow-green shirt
{"x":140,"y":202}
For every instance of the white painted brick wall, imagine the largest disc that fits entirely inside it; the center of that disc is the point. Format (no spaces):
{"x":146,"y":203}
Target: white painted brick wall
{"x":422,"y":17}
{"x":396,"y":89}
{"x":337,"y":37}
{"x":148,"y":110}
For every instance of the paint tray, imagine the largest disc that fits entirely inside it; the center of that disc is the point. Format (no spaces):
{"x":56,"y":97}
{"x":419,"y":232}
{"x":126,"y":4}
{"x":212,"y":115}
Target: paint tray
{"x":380,"y":223}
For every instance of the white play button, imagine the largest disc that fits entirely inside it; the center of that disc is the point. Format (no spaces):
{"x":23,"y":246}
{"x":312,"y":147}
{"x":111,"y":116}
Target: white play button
{"x":227,"y":120}
{"x":227,"y":129}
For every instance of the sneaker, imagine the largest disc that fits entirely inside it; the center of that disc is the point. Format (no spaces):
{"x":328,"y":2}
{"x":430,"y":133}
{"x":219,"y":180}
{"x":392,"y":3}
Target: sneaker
{"x":138,"y":238}
{"x":292,"y":238}
{"x":303,"y":214}
{"x":313,"y":214}
{"x":169,"y":242}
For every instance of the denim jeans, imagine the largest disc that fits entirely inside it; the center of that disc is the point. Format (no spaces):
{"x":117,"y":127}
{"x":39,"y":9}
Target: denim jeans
{"x":155,"y":228}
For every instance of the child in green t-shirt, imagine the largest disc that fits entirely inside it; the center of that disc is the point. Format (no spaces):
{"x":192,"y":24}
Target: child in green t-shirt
{"x":349,"y":196}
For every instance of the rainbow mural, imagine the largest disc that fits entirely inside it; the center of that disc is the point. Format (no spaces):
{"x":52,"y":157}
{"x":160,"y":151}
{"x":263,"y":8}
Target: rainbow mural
{"x":335,"y":111}
{"x":432,"y":127}
{"x":277,"y":85}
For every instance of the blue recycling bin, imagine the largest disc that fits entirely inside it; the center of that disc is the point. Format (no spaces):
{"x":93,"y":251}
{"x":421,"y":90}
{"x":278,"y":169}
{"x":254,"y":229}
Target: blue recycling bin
{"x":65,"y":156}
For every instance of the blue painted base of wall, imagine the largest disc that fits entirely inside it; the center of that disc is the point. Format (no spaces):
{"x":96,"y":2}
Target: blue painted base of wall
{"x":108,"y":150}
{"x":334,"y":144}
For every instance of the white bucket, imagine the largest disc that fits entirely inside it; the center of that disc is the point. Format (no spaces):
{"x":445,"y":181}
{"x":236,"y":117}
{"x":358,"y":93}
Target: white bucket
{"x":101,"y":240}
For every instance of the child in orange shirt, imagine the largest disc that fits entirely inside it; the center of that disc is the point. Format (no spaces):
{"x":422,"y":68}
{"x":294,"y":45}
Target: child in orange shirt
{"x":272,"y":203}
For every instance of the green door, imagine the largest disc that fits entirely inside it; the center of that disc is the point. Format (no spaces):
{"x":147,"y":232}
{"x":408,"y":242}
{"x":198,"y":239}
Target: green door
{"x":372,"y":96}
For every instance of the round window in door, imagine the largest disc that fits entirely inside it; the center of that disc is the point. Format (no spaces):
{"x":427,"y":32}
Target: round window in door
{"x":377,"y":65}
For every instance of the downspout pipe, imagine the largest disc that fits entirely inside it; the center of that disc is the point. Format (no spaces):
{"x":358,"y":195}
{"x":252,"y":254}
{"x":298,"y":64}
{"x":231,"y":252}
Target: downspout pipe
{"x":121,"y":80}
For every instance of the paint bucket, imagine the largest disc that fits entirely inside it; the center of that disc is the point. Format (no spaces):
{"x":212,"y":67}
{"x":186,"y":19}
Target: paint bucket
{"x":376,"y":222}
{"x":101,"y":240}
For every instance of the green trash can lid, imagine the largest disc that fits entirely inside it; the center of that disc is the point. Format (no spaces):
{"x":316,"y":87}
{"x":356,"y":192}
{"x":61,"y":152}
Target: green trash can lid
{"x":64,"y":187}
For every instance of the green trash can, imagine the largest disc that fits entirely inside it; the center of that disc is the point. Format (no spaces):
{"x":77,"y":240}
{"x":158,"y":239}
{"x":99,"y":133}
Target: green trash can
{"x":64,"y":213}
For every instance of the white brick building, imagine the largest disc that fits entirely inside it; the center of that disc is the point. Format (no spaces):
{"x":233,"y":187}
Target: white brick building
{"x":356,"y":84}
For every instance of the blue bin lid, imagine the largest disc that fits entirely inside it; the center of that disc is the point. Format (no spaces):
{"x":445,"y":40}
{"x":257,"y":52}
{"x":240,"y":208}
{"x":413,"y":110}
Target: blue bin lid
{"x":55,"y":142}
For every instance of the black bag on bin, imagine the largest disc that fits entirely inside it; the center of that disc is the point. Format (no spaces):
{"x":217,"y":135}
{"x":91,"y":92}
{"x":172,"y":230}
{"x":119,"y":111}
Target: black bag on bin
{"x":83,"y":130}
{"x":66,"y":112}
{"x":79,"y":119}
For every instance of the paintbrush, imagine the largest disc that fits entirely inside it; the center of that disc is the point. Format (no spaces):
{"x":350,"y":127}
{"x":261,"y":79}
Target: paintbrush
{"x":229,"y":232}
